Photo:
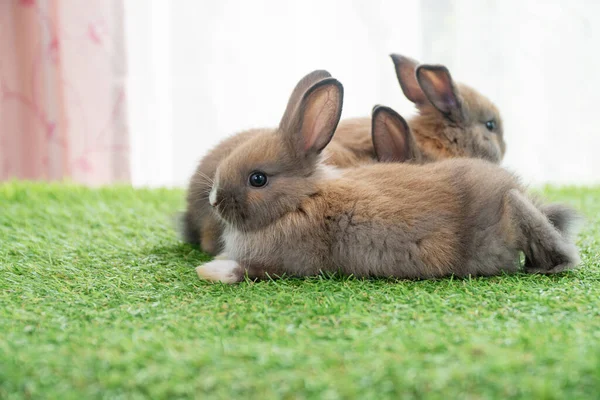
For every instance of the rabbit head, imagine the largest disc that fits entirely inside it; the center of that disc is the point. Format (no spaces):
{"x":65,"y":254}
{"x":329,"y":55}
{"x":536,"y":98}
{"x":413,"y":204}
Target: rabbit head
{"x":200,"y":225}
{"x":273,"y":172}
{"x":454,"y":120}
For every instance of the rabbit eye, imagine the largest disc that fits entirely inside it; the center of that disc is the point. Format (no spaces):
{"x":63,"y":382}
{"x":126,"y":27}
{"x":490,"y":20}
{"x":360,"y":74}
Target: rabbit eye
{"x":257,"y":179}
{"x":490,"y":125}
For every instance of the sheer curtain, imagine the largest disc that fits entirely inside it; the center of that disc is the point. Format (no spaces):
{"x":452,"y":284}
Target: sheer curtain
{"x":198,"y":71}
{"x":536,"y":61}
{"x":203,"y":70}
{"x":62,"y":93}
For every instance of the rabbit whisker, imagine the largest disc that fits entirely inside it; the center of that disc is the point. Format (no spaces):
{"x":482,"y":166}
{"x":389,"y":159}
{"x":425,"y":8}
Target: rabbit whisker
{"x":203,"y":175}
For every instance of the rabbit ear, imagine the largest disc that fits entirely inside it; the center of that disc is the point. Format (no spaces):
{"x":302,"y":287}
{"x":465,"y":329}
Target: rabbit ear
{"x":316,"y":117}
{"x":436,"y":82}
{"x":392,"y":139}
{"x":301,"y":87}
{"x":406,"y":73}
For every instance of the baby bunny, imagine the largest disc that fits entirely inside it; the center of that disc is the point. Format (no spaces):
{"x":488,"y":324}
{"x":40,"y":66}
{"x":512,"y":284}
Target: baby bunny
{"x":200,"y":224}
{"x":393,"y":142}
{"x":285,"y":213}
{"x":453,"y":120}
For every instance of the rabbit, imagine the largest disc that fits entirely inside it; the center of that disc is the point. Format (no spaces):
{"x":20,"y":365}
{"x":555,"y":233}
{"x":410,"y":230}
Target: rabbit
{"x":393,"y":141}
{"x":286,"y":213}
{"x":439,"y":134}
{"x":199,"y":224}
{"x":453,"y":120}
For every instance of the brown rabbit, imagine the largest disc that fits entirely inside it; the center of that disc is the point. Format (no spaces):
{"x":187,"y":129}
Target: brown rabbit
{"x":453,"y":120}
{"x":200,"y":224}
{"x":393,"y":142}
{"x":285,"y":213}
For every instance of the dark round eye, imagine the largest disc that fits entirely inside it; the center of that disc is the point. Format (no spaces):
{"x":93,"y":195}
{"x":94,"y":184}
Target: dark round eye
{"x":490,"y":125}
{"x":258,"y":179}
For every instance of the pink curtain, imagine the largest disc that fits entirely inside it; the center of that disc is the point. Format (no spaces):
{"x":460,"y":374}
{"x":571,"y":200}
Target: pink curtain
{"x":62,"y":97}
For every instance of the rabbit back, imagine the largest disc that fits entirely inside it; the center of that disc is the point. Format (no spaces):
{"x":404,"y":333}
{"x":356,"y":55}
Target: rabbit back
{"x":390,"y":220}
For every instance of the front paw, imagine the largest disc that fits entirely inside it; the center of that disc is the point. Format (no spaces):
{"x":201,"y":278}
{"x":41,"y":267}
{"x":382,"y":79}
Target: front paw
{"x":226,"y":271}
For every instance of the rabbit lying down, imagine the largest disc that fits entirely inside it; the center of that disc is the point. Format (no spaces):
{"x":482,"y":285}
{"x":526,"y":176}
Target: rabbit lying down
{"x":453,"y":120}
{"x":200,"y":225}
{"x":286,"y":213}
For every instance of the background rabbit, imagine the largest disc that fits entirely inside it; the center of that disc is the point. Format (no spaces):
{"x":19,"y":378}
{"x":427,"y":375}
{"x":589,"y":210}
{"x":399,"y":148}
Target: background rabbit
{"x":453,"y":120}
{"x":285,"y":213}
{"x":200,"y":225}
{"x":392,"y":141}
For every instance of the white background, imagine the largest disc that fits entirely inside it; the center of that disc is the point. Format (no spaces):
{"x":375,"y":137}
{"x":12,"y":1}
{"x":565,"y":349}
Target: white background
{"x":202,"y":70}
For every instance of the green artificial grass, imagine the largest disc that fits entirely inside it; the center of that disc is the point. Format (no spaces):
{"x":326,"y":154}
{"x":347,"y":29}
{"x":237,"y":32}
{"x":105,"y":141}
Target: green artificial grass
{"x":99,"y":299}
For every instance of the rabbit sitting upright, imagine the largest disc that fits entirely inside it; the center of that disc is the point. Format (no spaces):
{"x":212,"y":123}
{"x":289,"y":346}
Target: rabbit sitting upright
{"x":286,"y":213}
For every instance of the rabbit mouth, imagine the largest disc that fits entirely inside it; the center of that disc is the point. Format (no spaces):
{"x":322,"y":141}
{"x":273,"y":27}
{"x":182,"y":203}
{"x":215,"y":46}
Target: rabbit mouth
{"x":492,"y":152}
{"x":230,"y":213}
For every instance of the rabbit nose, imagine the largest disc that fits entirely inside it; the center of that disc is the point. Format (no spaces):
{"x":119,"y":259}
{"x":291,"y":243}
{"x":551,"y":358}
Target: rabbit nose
{"x":212,"y":198}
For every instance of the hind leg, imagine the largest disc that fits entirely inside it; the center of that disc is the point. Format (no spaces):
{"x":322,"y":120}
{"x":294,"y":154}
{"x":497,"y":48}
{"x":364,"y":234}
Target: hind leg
{"x":546,"y":250}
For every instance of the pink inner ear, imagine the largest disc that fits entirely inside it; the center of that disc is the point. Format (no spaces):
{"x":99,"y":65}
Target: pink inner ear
{"x":438,"y":82}
{"x":391,"y":143}
{"x":449,"y":99}
{"x":319,"y":126}
{"x":318,"y":118}
{"x":438,"y":85}
{"x":441,"y":84}
{"x":398,"y":140}
{"x":406,"y":74}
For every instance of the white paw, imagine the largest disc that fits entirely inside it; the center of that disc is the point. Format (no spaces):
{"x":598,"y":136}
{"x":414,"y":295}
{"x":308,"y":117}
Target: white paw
{"x":226,"y":271}
{"x":222,"y":256}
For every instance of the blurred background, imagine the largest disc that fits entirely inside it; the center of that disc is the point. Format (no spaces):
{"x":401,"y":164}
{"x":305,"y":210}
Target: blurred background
{"x":103,"y":91}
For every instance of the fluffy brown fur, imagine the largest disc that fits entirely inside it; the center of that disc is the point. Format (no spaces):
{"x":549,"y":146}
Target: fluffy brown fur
{"x":200,"y":224}
{"x":456,"y":217}
{"x":458,"y":130}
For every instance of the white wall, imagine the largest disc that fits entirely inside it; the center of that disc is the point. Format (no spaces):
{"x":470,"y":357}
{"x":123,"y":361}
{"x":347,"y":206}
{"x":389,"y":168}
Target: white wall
{"x":539,"y":62}
{"x":201,"y":70}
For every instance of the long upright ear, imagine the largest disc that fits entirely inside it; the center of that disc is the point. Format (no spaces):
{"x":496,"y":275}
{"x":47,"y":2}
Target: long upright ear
{"x":436,"y":82}
{"x":406,"y":72}
{"x":313,"y":123}
{"x":301,"y":87}
{"x":392,"y":138}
